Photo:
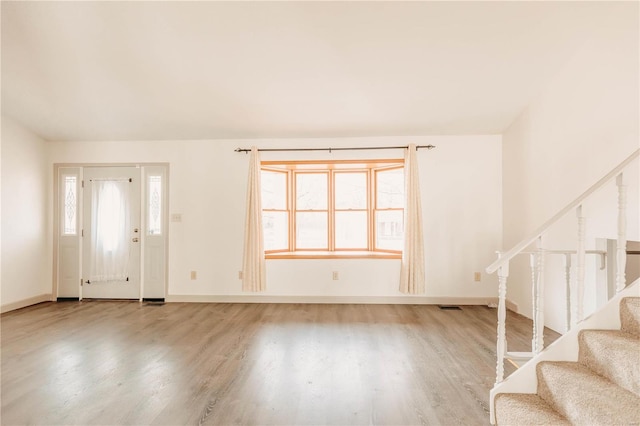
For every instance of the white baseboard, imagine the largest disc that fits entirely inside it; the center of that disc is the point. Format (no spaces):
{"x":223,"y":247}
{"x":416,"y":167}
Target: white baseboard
{"x":26,"y":302}
{"x":372,"y":300}
{"x":259,"y":298}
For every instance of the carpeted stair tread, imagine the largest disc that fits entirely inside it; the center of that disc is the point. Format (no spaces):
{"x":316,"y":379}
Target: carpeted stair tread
{"x":515,"y":409}
{"x":630,"y":315}
{"x":612,"y":354}
{"x":583,"y":397}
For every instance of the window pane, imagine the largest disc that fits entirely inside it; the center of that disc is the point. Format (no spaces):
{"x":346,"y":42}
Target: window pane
{"x":70,"y":203}
{"x":311,"y":191}
{"x":311,"y":230}
{"x":155,"y":205}
{"x":390,"y":189}
{"x":111,"y":200}
{"x":351,"y":230}
{"x":274,"y":190}
{"x":390,"y":230}
{"x":351,"y":191}
{"x":276,"y":230}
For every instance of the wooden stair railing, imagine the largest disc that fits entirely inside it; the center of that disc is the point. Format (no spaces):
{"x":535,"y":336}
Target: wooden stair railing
{"x":575,"y":311}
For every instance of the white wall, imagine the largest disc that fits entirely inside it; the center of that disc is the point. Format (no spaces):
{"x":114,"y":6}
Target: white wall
{"x":578,"y":128}
{"x":26,"y":230}
{"x":461,"y":187}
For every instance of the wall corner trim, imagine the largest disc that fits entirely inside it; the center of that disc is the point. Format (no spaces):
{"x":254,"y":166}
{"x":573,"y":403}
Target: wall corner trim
{"x":512,"y":306}
{"x":48,"y":297}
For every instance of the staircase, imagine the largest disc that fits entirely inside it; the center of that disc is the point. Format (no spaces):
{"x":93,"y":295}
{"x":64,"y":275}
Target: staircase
{"x":591,"y":375}
{"x":601,"y":388}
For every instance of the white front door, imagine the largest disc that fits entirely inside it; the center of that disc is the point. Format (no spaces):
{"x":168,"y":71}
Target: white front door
{"x":111,"y":233}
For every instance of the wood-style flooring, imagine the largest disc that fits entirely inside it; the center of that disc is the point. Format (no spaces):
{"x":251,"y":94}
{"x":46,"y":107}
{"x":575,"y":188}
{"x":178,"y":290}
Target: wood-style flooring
{"x":114,"y":363}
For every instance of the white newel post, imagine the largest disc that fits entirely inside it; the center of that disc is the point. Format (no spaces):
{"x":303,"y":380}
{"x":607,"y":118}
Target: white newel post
{"x":580,"y":262}
{"x":567,"y":276}
{"x":501,"y":346}
{"x":621,"y":249}
{"x":534,"y":301}
{"x":539,"y":313}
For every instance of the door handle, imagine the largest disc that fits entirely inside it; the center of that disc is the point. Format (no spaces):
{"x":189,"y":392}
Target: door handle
{"x":135,"y":240}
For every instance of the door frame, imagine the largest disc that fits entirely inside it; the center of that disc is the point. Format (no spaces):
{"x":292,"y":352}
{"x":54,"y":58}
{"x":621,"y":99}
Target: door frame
{"x":60,"y":167}
{"x":128,"y":288}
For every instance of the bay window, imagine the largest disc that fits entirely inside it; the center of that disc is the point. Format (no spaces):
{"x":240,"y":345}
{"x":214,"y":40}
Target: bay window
{"x":315,"y":209}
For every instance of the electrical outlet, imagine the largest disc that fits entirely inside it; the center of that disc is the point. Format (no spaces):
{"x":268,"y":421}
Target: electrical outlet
{"x":477,"y":276}
{"x":239,"y":275}
{"x":176,"y":217}
{"x":335,"y":275}
{"x":194,"y":275}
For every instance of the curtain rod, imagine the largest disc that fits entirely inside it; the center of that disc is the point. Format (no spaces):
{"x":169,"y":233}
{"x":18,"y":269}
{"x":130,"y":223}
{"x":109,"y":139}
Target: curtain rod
{"x":111,"y":180}
{"x":246,"y":150}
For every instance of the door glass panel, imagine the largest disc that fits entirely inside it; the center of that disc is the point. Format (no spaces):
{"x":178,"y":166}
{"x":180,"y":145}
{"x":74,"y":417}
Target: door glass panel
{"x":390,"y":189}
{"x":311,"y":230}
{"x":390,"y":230}
{"x":311,"y":191}
{"x":276,"y":230}
{"x":70,"y":205}
{"x":351,"y":230}
{"x":110,"y":231}
{"x":110,"y":216}
{"x":351,"y":190}
{"x":155,"y":205}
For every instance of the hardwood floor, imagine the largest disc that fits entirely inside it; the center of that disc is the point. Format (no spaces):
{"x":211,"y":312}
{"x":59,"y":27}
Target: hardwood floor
{"x":118,"y":363}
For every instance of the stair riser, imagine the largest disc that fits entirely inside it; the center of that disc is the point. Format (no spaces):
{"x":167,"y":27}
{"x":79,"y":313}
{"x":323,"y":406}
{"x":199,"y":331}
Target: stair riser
{"x":613,"y":355}
{"x":583,"y":397}
{"x":526,"y":409}
{"x":630,"y":315}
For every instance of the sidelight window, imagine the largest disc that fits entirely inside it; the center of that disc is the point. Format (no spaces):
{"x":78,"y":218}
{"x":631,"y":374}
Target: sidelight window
{"x":155,"y":205}
{"x":70,"y":210}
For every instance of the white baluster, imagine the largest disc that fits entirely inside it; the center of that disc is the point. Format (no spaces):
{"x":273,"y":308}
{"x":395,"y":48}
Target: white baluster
{"x":580,"y":261}
{"x":534,"y":301}
{"x":567,"y":274}
{"x":539,"y":314}
{"x":621,"y":249}
{"x":501,"y":346}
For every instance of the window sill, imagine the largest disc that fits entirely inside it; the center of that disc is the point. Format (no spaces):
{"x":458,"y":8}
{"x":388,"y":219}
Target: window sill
{"x":333,"y":255}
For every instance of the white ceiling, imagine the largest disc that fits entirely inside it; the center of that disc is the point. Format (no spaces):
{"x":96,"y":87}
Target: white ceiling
{"x":212,"y":70}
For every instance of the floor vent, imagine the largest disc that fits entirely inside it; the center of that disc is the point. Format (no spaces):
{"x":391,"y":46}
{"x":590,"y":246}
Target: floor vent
{"x":153,"y":301}
{"x":450,"y":307}
{"x":68,"y":299}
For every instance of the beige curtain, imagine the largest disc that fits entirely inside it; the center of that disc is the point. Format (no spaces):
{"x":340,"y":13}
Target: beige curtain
{"x":253,"y":263}
{"x":412,"y":271}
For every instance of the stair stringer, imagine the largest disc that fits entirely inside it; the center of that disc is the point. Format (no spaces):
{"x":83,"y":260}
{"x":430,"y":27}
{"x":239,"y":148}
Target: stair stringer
{"x":525,"y":380}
